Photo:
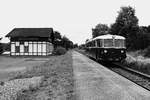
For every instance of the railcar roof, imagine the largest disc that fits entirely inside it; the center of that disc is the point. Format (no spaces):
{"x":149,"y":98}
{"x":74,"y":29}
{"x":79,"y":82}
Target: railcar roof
{"x":109,"y":36}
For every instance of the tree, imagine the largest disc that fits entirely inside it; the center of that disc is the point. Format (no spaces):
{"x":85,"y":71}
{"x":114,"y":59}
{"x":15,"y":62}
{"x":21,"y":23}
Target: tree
{"x":66,"y":43}
{"x":143,"y":38}
{"x":100,"y":29}
{"x":126,"y":20}
{"x":6,"y":46}
{"x":126,"y":25}
{"x":75,"y":45}
{"x":1,"y":47}
{"x":57,"y":39}
{"x":148,"y":28}
{"x":57,"y":35}
{"x":86,"y":40}
{"x":61,"y":41}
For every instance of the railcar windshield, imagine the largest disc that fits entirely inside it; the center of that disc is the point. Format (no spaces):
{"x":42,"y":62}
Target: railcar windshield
{"x":120,"y":43}
{"x":108,"y":42}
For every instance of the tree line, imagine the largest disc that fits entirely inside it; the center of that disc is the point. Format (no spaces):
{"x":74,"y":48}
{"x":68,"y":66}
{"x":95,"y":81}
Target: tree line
{"x":126,"y":24}
{"x":63,"y":41}
{"x":1,"y":47}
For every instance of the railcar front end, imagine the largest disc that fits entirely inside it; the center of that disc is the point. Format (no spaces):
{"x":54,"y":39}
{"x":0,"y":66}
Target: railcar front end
{"x":107,"y":48}
{"x":110,"y":54}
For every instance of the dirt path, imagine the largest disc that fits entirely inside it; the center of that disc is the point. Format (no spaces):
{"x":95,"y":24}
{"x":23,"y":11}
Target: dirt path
{"x":96,"y":83}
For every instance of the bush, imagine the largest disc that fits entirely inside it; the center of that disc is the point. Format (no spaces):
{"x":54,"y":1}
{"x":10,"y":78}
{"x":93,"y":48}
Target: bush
{"x":137,"y":63}
{"x":1,"y":48}
{"x":147,"y":52}
{"x":59,"y":51}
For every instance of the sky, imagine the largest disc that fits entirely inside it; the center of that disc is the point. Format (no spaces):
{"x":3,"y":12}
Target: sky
{"x":72,"y":18}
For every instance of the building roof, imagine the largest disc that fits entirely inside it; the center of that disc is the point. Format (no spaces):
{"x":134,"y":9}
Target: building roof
{"x":30,"y":32}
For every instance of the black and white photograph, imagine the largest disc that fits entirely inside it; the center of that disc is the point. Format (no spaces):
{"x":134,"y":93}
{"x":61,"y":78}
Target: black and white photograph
{"x":74,"y":50}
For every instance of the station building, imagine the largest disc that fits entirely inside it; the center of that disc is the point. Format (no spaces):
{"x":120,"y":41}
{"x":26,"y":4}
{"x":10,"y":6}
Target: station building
{"x":31,"y":41}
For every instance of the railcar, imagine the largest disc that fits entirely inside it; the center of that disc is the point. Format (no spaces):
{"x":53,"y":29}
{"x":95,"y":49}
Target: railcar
{"x":107,"y":48}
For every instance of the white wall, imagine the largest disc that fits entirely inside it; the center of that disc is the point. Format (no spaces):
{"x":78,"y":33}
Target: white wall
{"x":39,"y":48}
{"x":30,"y":48}
{"x":44,"y":48}
{"x":12,"y":48}
{"x":35,"y":48}
{"x":21,"y":49}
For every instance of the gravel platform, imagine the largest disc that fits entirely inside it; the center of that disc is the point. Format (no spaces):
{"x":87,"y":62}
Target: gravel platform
{"x":95,"y":82}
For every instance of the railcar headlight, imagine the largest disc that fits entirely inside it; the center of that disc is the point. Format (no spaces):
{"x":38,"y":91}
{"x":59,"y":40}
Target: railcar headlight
{"x":122,"y":51}
{"x":105,"y":51}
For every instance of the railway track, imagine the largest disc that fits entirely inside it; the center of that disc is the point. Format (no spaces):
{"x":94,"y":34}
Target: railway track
{"x":135,"y":76}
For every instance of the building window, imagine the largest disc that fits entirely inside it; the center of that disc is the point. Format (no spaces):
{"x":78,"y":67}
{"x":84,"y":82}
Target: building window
{"x":26,"y":49}
{"x":17,"y":49}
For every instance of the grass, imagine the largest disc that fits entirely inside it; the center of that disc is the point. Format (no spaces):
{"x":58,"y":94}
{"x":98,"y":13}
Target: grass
{"x":10,"y":65}
{"x":138,"y":62}
{"x":58,"y":83}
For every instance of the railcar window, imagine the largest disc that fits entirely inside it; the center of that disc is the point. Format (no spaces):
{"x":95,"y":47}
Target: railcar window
{"x":119,"y":43}
{"x":99,"y":43}
{"x":90,"y":44}
{"x":87,"y":45}
{"x":108,"y":43}
{"x":94,"y":43}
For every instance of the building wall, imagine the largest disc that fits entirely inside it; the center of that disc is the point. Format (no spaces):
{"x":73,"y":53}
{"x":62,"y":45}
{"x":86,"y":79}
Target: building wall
{"x":31,"y":48}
